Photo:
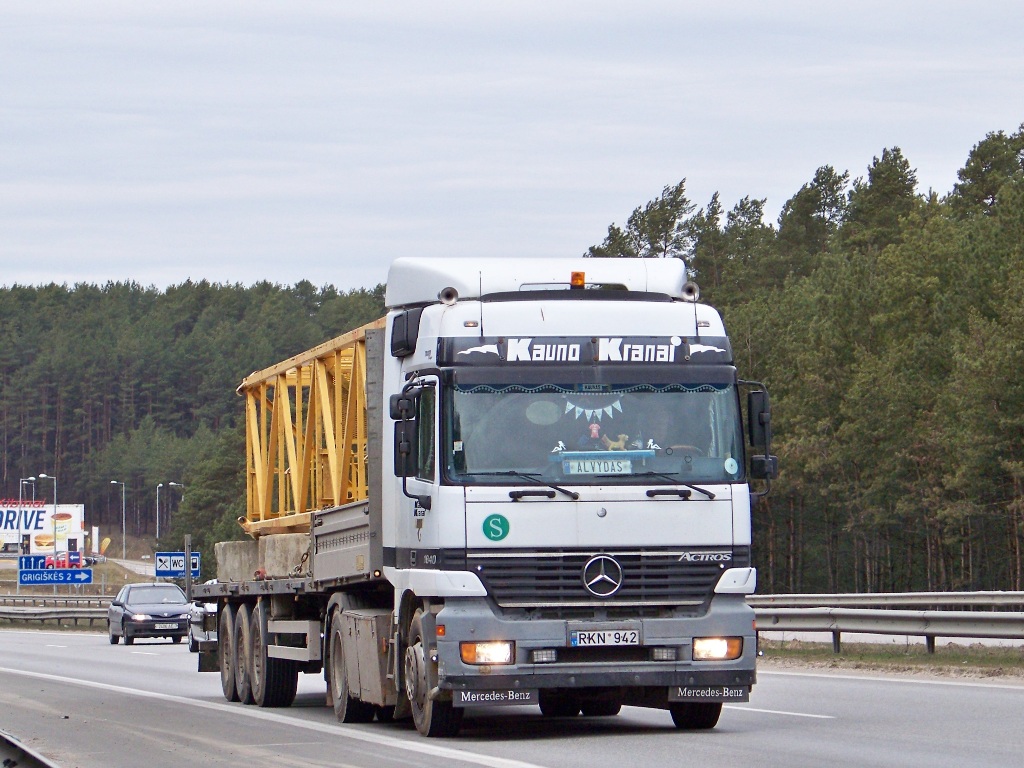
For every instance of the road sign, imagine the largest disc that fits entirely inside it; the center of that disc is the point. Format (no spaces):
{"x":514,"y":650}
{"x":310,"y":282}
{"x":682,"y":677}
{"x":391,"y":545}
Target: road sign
{"x":172,"y":564}
{"x":55,"y":576}
{"x":31,"y":562}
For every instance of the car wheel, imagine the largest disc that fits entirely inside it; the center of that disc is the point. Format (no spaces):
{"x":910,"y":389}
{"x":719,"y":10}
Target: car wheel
{"x":193,"y":644}
{"x":128,"y":639}
{"x":110,"y":631}
{"x":176,"y":639}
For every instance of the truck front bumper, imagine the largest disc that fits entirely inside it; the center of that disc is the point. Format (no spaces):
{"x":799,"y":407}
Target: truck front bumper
{"x":628,"y":667}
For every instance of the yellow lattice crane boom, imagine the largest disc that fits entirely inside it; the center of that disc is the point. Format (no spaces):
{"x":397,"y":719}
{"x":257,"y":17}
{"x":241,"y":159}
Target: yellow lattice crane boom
{"x":306,"y":434}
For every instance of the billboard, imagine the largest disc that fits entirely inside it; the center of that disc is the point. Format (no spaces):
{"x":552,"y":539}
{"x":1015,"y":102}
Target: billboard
{"x":48,"y":530}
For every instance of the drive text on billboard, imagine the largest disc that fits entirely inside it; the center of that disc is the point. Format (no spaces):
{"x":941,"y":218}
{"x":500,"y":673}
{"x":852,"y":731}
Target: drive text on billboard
{"x":47,"y":529}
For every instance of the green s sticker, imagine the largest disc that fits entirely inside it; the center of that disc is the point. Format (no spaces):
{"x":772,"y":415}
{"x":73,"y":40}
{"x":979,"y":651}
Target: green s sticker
{"x":496,"y":527}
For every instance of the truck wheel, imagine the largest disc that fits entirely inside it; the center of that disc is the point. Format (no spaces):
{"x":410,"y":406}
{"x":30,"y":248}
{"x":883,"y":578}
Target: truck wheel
{"x":600,"y":708}
{"x":695,"y":716}
{"x":243,"y":654}
{"x":432,"y":717}
{"x":226,"y":651}
{"x":558,"y":704}
{"x":274,"y":681}
{"x":346,"y":708}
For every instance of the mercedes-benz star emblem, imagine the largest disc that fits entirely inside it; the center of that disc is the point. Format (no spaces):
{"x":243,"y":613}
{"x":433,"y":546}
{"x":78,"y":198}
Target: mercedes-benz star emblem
{"x":602,"y":576}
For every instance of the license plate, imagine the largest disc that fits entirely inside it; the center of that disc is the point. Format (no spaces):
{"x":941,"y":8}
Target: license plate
{"x":587,"y":637}
{"x":597,"y":466}
{"x":166,"y":626}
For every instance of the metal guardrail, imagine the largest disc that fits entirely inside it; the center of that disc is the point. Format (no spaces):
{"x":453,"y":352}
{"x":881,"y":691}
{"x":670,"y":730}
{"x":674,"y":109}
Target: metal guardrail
{"x":55,"y":608}
{"x":835,"y":614}
{"x":99,"y":601}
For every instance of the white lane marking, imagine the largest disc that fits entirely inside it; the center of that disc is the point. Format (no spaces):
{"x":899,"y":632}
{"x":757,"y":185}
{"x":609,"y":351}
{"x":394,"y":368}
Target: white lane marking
{"x":48,"y":645}
{"x":779,"y":712}
{"x":910,"y":680}
{"x":145,"y":653}
{"x":422,"y":747}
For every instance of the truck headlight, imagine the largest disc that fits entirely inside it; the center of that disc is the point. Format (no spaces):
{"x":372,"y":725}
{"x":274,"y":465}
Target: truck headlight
{"x":717,"y":648}
{"x":493,"y":652}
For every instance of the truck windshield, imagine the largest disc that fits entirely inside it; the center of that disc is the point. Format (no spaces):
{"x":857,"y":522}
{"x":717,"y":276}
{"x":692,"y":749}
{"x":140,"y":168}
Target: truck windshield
{"x":594,"y":434}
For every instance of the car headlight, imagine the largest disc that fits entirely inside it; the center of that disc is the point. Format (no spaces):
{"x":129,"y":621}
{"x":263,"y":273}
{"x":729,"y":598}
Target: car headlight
{"x":717,"y":648}
{"x":139,"y":617}
{"x":494,"y":652}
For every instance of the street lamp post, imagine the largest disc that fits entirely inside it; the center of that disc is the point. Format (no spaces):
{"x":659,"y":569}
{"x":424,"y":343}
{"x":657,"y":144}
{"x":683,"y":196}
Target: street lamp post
{"x":123,"y":532}
{"x":178,"y":485}
{"x":21,"y":502}
{"x":54,"y":518}
{"x":158,"y":487}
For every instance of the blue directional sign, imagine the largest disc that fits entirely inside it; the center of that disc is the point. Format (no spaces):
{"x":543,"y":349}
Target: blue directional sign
{"x":31,"y":562}
{"x":55,"y":576}
{"x":172,"y":564}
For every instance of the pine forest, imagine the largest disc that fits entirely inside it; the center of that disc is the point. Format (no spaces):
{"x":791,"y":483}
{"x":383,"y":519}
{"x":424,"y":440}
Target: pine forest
{"x":886,"y":320}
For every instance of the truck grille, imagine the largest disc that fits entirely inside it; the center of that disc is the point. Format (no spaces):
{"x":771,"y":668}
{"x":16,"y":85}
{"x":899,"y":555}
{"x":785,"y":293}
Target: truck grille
{"x":648,"y":577}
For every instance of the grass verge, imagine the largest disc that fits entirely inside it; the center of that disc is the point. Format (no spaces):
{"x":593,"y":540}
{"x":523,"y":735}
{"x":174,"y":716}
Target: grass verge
{"x":949,"y":660}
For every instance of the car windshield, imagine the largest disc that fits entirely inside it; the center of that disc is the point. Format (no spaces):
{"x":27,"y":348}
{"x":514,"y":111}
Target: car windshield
{"x":594,"y":434}
{"x":163,"y":594}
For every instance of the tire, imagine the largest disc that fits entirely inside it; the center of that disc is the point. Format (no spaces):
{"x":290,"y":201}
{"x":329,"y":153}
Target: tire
{"x":243,"y":654}
{"x":346,"y":708}
{"x":432,"y":717}
{"x":110,"y":631}
{"x":225,"y":651}
{"x":274,"y":681}
{"x":128,"y":639}
{"x":557,"y":704}
{"x":601,"y":708}
{"x":696,"y":716}
{"x":176,"y":639}
{"x":193,"y":644}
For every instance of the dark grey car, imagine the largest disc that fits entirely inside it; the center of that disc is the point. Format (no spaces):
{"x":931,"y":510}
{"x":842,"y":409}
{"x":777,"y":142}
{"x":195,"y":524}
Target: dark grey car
{"x":148,"y":610}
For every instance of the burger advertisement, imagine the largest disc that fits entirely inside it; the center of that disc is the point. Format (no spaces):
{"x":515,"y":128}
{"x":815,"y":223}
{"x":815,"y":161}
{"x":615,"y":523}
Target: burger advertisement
{"x":48,"y":529}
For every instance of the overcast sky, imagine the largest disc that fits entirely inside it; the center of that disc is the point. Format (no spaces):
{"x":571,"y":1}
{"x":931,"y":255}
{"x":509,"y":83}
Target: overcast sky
{"x":245,"y":141}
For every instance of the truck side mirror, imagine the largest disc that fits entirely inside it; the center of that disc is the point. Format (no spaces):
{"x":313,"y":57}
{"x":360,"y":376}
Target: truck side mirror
{"x":764,"y":467}
{"x":404,"y":331}
{"x":759,"y":419}
{"x":406,"y":454}
{"x":403,"y":406}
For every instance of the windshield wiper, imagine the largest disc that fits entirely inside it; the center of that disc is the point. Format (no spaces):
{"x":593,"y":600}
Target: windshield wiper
{"x":532,"y":477}
{"x":670,"y":477}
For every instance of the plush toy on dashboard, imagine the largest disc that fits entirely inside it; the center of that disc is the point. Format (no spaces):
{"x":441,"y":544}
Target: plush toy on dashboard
{"x":615,"y":445}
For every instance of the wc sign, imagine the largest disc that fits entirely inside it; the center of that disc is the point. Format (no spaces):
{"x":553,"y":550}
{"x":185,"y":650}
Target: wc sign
{"x":172,"y":564}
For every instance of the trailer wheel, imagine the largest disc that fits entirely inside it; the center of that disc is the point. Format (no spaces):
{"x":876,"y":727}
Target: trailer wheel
{"x":695,"y":716}
{"x":432,"y":717}
{"x":274,"y":681}
{"x":243,"y":654}
{"x":226,"y":651}
{"x":346,"y":708}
